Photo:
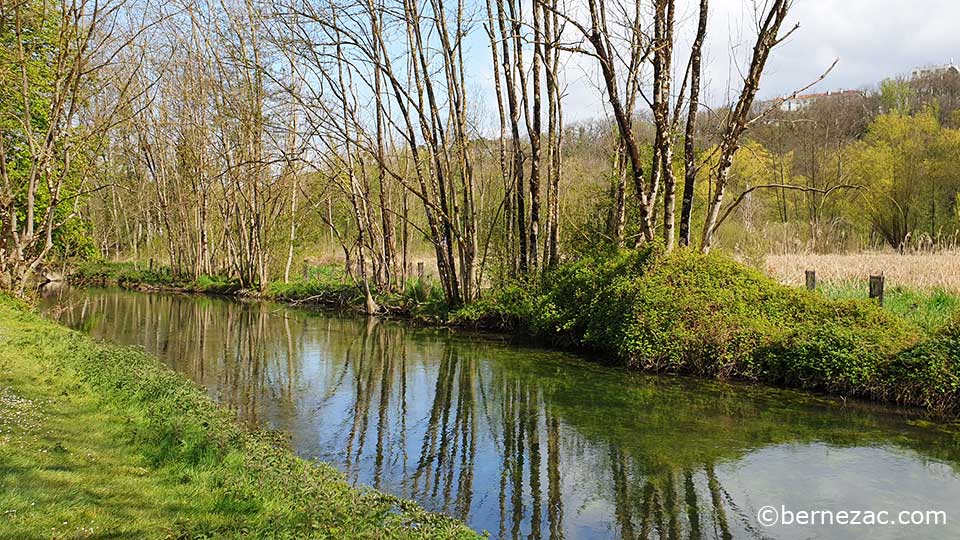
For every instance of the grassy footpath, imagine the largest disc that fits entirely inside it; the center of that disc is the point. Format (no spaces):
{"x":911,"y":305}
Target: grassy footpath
{"x":98,"y":441}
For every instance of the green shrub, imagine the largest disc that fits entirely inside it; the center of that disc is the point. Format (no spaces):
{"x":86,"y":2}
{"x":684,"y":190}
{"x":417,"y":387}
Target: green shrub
{"x":828,"y":355}
{"x":565,"y":310}
{"x":928,"y":374}
{"x":841,"y":349}
{"x":689,"y":312}
{"x":505,"y":308}
{"x":686,"y":312}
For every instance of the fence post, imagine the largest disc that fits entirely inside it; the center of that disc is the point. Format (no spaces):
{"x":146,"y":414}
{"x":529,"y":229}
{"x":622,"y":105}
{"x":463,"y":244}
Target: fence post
{"x":811,"y":276}
{"x":306,"y":269}
{"x":876,"y":288}
{"x":420,"y":272}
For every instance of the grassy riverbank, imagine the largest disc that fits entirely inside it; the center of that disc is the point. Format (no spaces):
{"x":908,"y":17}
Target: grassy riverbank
{"x":102,"y":441}
{"x":326,"y":286}
{"x":709,"y":316}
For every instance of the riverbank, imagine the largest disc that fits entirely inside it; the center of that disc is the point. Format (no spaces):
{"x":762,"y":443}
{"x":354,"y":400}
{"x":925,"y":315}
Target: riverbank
{"x":324,"y":286}
{"x":99,"y":440}
{"x":703,"y":315}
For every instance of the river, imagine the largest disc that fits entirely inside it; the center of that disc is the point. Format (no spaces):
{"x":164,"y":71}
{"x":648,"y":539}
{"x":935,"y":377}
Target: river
{"x":528,"y":443}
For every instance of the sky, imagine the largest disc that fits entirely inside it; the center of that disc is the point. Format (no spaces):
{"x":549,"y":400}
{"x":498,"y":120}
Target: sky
{"x":871,"y":39}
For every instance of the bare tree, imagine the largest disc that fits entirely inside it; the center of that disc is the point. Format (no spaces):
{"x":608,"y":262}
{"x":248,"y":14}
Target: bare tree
{"x":689,"y":149}
{"x":600,"y":39}
{"x":768,"y":36}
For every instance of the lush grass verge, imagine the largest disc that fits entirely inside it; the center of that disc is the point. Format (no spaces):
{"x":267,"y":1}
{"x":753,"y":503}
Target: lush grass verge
{"x":138,"y":275}
{"x":709,"y":316}
{"x":928,"y":309}
{"x":100,"y":441}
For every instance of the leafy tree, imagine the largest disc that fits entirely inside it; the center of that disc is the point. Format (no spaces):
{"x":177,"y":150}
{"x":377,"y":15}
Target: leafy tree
{"x":895,"y":96}
{"x":50,"y":66}
{"x":906,"y":164}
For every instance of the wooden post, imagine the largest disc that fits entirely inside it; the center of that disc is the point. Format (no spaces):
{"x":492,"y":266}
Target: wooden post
{"x":306,"y":270}
{"x":811,"y":276}
{"x":151,"y":264}
{"x":420,"y":272}
{"x":876,"y":288}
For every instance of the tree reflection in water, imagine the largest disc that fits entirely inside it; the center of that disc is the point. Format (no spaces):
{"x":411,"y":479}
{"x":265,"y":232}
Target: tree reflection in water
{"x":523,"y":443}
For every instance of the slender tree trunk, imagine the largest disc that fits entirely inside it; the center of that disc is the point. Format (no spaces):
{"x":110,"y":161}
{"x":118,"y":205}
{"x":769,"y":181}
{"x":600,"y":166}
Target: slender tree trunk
{"x":689,"y":138}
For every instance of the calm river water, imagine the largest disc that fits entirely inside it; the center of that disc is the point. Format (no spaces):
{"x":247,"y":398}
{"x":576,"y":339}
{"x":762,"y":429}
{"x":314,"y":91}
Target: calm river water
{"x":533,"y":444}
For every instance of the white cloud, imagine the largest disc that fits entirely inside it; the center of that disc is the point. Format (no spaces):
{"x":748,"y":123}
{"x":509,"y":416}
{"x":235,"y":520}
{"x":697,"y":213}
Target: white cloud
{"x":873,"y":40}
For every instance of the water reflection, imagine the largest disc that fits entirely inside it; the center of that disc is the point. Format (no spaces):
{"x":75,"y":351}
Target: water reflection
{"x":531,"y":444}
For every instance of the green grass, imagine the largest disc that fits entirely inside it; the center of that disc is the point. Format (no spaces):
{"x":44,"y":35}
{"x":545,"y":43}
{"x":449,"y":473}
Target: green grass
{"x":68,"y":470}
{"x":134,"y":274}
{"x":927,"y":309}
{"x":98,"y":441}
{"x":324,"y":285}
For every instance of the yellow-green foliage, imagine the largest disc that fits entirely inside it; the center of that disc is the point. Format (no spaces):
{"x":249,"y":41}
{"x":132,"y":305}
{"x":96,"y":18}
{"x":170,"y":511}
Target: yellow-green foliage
{"x":906,"y":162}
{"x":113,"y":444}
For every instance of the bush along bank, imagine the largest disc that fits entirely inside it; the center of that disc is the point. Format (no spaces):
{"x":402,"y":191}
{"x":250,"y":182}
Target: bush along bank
{"x":686,"y":312}
{"x":706,"y":315}
{"x":244,"y":484}
{"x":135,"y":276}
{"x":325,"y":286}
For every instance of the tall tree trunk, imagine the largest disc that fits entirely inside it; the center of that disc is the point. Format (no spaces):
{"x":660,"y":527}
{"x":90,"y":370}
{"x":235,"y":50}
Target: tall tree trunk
{"x":767,"y":39}
{"x":689,"y":138}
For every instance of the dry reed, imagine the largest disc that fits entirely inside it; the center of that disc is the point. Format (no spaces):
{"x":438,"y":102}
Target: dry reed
{"x":922,"y":271}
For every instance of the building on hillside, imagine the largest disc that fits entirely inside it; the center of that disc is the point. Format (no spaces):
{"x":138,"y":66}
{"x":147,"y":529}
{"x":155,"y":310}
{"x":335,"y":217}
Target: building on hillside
{"x":935,"y":71}
{"x":937,"y":84}
{"x":805,"y":100}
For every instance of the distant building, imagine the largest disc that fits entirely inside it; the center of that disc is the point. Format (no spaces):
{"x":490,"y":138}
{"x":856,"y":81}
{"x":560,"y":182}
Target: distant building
{"x":938,"y":72}
{"x":805,"y":100}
